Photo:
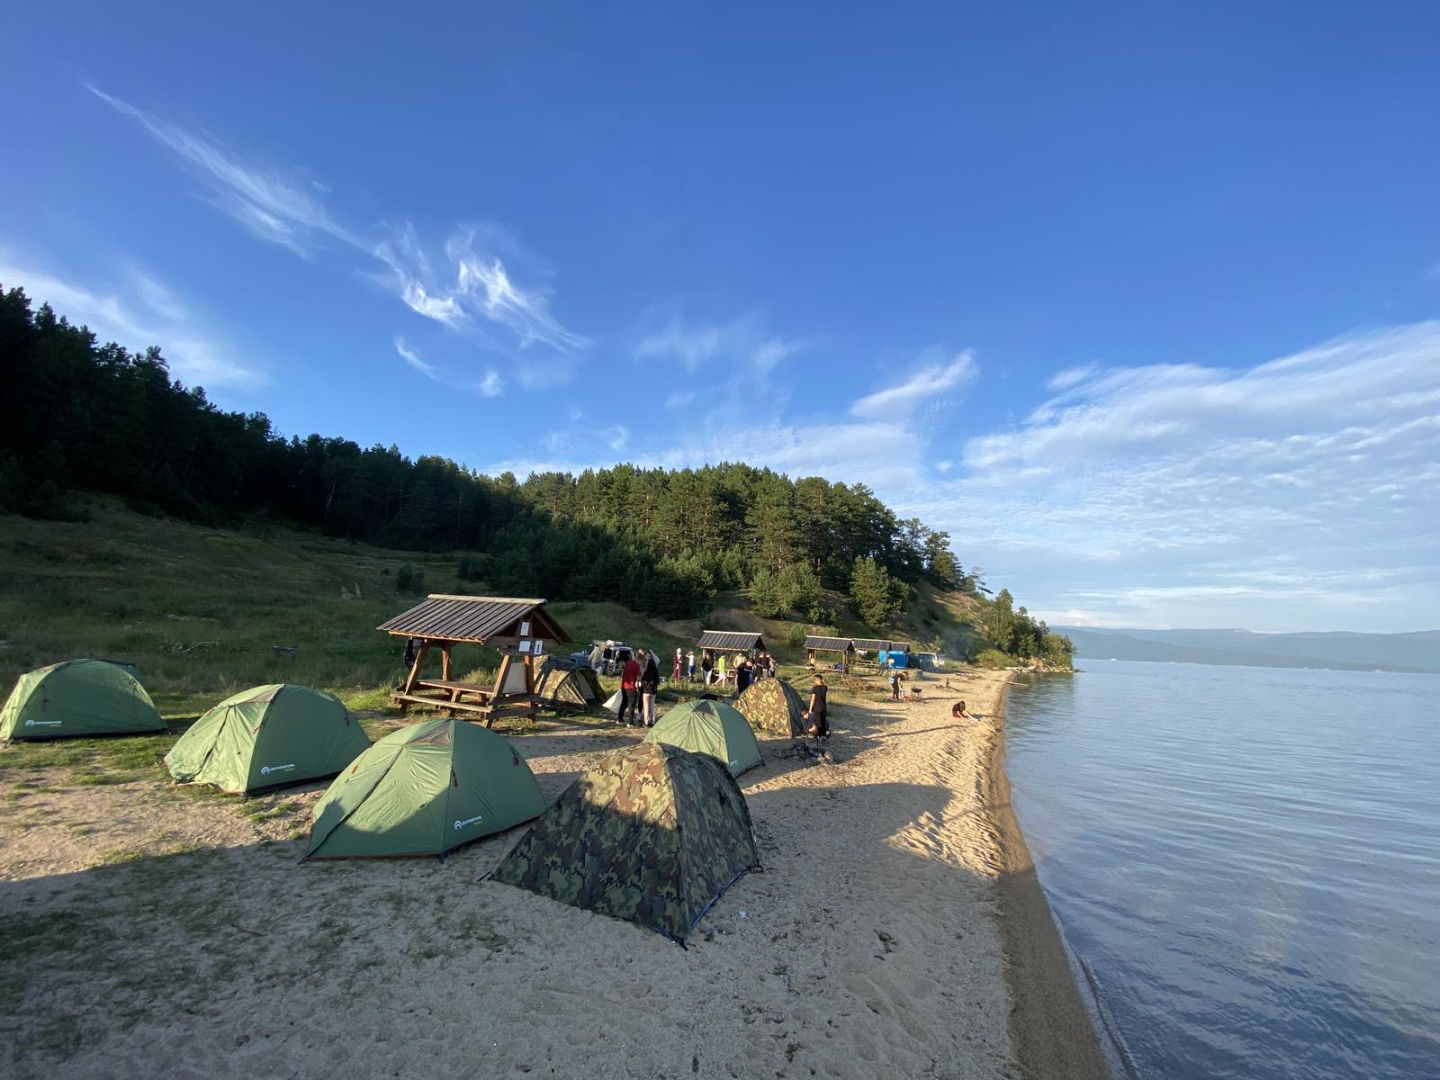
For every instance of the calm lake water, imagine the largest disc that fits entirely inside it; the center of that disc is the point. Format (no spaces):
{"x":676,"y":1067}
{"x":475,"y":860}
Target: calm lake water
{"x":1245,"y":861}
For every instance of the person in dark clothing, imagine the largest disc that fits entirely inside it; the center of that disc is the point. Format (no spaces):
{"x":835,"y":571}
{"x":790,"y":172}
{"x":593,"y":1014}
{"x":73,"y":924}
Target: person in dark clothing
{"x":894,"y":686}
{"x":957,"y":712}
{"x":742,"y":678}
{"x":649,"y":687}
{"x":707,"y":665}
{"x":630,"y":690}
{"x":819,"y":720}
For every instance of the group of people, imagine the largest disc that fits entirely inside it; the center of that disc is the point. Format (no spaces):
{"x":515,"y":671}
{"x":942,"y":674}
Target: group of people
{"x":720,"y":669}
{"x":639,"y":683}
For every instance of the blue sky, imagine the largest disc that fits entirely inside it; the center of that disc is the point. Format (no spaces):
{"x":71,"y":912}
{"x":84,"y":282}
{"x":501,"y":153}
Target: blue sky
{"x":1134,"y":301}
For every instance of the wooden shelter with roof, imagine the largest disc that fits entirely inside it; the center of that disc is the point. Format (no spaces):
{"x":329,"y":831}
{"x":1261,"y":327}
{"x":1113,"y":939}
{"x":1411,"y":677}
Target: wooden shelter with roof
{"x":817,"y":643}
{"x":879,"y":645}
{"x":718,"y":641}
{"x":520,"y":629}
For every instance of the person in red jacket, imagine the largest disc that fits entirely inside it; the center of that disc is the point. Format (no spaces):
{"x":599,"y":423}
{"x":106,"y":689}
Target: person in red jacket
{"x":630,"y":689}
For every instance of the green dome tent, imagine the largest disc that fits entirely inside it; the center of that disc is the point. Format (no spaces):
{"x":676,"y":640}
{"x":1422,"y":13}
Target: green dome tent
{"x":774,"y":705}
{"x":710,"y":727}
{"x":424,"y":790}
{"x":267,"y":736}
{"x":79,"y":698}
{"x":652,"y":835}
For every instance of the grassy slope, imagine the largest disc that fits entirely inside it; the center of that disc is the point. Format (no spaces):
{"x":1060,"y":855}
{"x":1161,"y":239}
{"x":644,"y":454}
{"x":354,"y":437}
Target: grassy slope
{"x":198,"y":609}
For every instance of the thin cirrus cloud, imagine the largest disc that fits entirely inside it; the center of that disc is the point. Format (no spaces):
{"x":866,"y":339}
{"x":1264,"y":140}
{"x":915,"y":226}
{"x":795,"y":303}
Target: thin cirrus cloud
{"x":489,"y":385}
{"x":932,"y":378}
{"x":743,"y":340}
{"x":139,"y":312}
{"x":471,"y":290}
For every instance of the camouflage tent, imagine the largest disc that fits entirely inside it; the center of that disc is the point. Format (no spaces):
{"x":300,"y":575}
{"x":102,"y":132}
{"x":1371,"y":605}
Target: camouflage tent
{"x":560,"y":683}
{"x":774,"y":705}
{"x":652,"y":834}
{"x":710,"y":727}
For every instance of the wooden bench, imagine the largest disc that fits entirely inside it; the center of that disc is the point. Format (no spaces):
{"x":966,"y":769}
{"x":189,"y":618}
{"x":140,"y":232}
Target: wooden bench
{"x":443,"y":703}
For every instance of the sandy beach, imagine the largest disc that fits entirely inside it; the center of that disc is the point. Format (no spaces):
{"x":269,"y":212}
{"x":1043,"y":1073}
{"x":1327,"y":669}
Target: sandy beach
{"x":895,"y":927}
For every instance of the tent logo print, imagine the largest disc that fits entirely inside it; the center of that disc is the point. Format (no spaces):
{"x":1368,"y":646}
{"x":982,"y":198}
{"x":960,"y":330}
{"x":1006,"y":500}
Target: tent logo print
{"x":266,"y":770}
{"x":42,"y":723}
{"x":468,"y":821}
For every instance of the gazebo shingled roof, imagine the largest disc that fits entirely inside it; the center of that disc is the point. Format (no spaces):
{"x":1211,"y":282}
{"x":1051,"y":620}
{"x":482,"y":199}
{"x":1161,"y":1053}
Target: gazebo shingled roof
{"x":829,"y":644}
{"x":476,"y":619}
{"x":727,"y":640}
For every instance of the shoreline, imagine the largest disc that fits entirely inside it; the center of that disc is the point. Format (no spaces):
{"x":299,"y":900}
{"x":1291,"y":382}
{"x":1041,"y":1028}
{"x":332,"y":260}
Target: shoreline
{"x":1051,"y":1026}
{"x":897,"y":924}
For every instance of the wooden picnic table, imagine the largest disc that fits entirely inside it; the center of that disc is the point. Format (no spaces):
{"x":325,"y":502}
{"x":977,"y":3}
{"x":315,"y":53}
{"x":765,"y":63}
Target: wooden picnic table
{"x":456,"y":690}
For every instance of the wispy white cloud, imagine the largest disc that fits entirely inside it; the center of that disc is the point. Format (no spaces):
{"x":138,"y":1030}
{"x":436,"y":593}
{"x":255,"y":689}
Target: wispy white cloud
{"x":412,"y":357}
{"x":473,"y":289}
{"x":137,"y":312}
{"x":773,"y":350}
{"x":617,"y":437}
{"x":679,"y":399}
{"x":924,"y":384}
{"x":490,"y":384}
{"x":743,"y":340}
{"x":1138,"y":495}
{"x":267,"y":202}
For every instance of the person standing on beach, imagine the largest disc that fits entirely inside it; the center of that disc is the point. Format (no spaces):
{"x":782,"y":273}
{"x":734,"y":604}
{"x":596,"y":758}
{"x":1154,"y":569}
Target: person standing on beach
{"x":649,"y":687}
{"x":742,"y":678}
{"x":630,"y":689}
{"x":675,"y":674}
{"x":690,"y":664}
{"x":816,"y":714}
{"x":707,"y":666}
{"x":720,"y":670}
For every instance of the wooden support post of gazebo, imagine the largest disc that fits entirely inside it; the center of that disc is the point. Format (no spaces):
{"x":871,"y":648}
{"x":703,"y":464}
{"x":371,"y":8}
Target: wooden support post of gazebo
{"x":521,"y":629}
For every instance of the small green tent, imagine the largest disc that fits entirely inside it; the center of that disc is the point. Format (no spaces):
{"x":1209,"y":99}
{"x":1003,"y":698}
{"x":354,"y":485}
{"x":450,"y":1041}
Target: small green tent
{"x":653,"y":834}
{"x":424,"y":790}
{"x":710,"y":727}
{"x":79,"y":698}
{"x":265,"y":737}
{"x":774,"y":705}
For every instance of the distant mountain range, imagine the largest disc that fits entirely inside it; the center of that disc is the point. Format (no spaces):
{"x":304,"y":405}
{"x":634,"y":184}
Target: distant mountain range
{"x":1419,"y":651}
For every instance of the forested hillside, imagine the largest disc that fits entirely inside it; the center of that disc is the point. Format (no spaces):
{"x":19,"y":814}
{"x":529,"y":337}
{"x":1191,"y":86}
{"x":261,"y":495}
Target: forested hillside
{"x":87,"y":416}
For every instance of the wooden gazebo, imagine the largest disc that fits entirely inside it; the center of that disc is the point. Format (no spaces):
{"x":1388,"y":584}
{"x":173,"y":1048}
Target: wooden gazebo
{"x":844,"y":646}
{"x":521,"y":629}
{"x":713,"y":641}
